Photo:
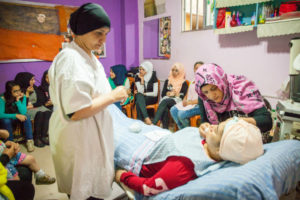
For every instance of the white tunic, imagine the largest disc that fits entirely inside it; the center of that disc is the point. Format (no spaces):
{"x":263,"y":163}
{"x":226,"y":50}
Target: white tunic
{"x":83,"y":150}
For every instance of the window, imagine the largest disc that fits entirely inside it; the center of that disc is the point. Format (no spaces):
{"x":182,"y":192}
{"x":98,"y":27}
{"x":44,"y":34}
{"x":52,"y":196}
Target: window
{"x":197,"y":14}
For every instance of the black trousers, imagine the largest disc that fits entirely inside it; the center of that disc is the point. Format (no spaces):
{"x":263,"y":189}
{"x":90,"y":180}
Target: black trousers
{"x":141,"y":101}
{"x":41,"y":124}
{"x":25,"y":173}
{"x":163,"y":111}
{"x":22,"y":190}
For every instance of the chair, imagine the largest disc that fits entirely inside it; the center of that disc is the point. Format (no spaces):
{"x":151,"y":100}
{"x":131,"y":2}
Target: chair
{"x":194,"y":119}
{"x":18,"y":132}
{"x":151,"y":106}
{"x":128,"y":107}
{"x":155,"y":106}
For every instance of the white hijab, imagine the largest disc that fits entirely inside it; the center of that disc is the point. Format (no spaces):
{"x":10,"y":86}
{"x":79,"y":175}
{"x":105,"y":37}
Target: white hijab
{"x":148,"y":67}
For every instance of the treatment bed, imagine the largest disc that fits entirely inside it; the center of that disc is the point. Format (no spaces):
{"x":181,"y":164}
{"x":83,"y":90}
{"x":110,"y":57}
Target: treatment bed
{"x":271,"y":176}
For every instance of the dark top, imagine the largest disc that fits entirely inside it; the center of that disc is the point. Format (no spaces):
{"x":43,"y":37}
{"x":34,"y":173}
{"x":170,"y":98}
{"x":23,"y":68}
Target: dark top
{"x":150,"y":83}
{"x":44,"y":96}
{"x":261,"y":115}
{"x":183,"y":90}
{"x":4,"y":159}
{"x":41,"y":100}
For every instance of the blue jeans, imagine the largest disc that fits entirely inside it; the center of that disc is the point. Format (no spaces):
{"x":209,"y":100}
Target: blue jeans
{"x":8,"y":125}
{"x":181,"y":117}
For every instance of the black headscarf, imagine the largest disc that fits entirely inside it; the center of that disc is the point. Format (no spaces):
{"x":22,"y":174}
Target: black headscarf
{"x":23,"y":79}
{"x":120,"y":72}
{"x":88,"y":17}
{"x":44,"y":85}
{"x":10,"y":106}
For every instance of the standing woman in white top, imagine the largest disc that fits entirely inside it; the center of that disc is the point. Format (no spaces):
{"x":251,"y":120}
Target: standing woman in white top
{"x":81,"y":130}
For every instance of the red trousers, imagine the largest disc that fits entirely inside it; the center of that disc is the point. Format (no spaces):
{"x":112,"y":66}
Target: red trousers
{"x":158,"y":177}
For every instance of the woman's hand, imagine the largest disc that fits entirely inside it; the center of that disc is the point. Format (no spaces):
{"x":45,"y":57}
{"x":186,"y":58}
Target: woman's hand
{"x":29,"y":106}
{"x":171,"y":94}
{"x":14,"y":146}
{"x":141,"y":76}
{"x":184,"y":102}
{"x":11,"y":149}
{"x":29,"y":90}
{"x":119,"y":94}
{"x":20,"y":96}
{"x":203,"y":129}
{"x":20,"y":117}
{"x":49,"y":103}
{"x":17,"y":147}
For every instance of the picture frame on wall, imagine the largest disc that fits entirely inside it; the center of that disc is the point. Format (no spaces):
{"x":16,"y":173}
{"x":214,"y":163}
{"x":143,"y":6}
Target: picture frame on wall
{"x":164,"y":37}
{"x":101,"y":52}
{"x":154,"y":7}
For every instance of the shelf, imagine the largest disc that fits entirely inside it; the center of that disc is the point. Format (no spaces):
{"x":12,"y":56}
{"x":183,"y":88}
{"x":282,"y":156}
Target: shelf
{"x":237,"y":29}
{"x":280,"y":27}
{"x":230,"y":3}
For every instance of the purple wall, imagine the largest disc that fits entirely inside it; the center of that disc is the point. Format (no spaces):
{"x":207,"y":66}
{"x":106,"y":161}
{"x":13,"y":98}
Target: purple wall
{"x":122,"y":44}
{"x":150,"y":39}
{"x":131,"y":29}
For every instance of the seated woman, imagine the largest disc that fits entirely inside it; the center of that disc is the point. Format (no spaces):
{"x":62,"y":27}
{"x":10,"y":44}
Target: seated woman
{"x":174,"y":90}
{"x":169,"y":165}
{"x":182,"y":111}
{"x":225,"y":96}
{"x":35,"y":108}
{"x":44,"y":88}
{"x":147,"y":90}
{"x":118,"y":78}
{"x":13,"y":110}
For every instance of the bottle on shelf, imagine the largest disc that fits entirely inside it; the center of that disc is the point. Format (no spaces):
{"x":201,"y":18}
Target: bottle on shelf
{"x":238,"y":18}
{"x":227,"y":19}
{"x":233,"y":21}
{"x":253,"y":19}
{"x":262,"y":16}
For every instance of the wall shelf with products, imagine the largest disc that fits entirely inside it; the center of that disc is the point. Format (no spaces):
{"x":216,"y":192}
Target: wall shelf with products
{"x":280,"y":27}
{"x":240,"y":15}
{"x":237,"y":29}
{"x":247,"y":14}
{"x":231,"y":3}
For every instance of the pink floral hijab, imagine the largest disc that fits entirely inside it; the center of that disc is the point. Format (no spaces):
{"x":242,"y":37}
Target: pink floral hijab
{"x":177,"y":81}
{"x":240,"y":94}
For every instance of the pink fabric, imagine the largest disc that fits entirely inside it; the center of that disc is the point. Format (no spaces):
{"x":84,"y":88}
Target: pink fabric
{"x":21,"y":158}
{"x":241,"y":142}
{"x":240,"y":94}
{"x":176,"y":82}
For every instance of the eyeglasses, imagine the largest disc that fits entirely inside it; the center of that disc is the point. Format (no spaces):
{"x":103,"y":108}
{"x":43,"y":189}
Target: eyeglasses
{"x":174,"y":70}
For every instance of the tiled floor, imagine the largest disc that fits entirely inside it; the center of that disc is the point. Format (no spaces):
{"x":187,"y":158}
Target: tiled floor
{"x":50,"y":192}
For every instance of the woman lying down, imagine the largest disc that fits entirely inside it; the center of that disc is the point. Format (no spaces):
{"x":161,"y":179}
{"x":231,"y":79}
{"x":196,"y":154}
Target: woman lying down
{"x":163,"y":161}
